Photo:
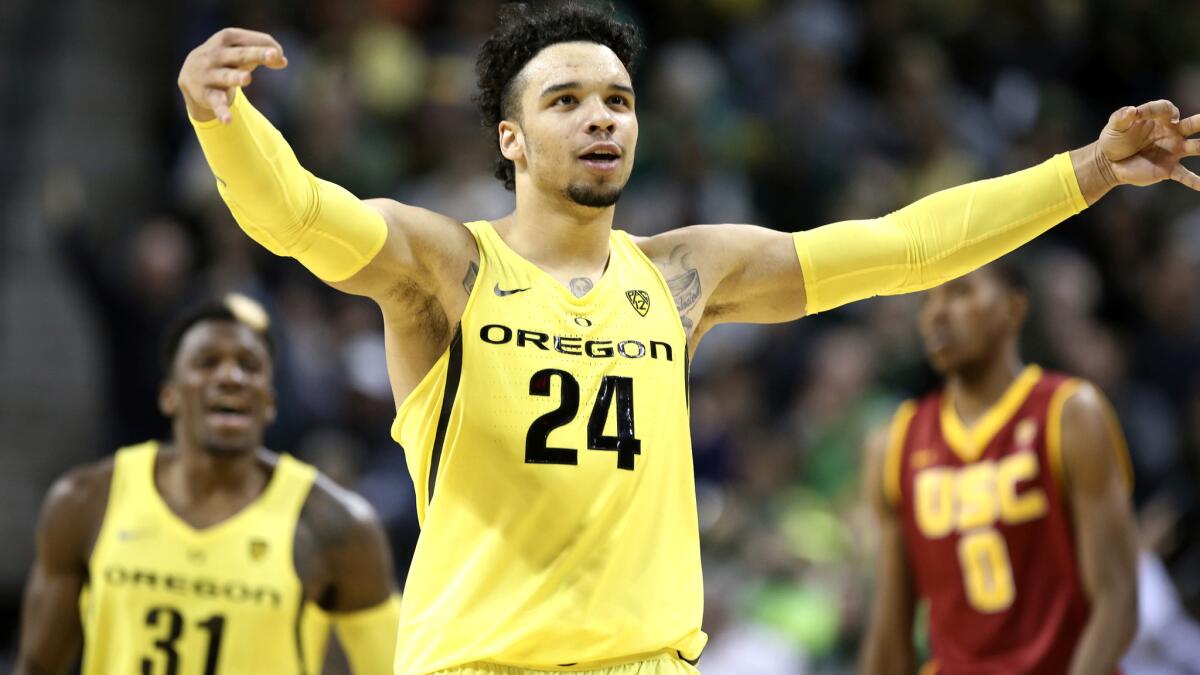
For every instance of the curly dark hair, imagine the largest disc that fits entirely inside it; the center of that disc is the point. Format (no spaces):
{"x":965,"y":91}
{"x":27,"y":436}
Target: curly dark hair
{"x":525,"y":31}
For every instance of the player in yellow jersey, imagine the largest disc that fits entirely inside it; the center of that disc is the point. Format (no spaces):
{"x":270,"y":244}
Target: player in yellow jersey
{"x":539,"y":361}
{"x":208,"y":554}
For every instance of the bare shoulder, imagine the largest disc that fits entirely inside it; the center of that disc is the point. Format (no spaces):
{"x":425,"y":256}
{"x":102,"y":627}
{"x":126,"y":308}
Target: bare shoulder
{"x":738,"y":273}
{"x":74,"y":510}
{"x":350,"y":547}
{"x":338,"y":518}
{"x":874,"y":455}
{"x":1085,"y":399}
{"x":696,"y":239}
{"x":875,"y":445}
{"x":1093,"y":445}
{"x":686,"y":259}
{"x":422,"y":247}
{"x":433,"y":232}
{"x":1086,"y":414}
{"x":81,"y":491}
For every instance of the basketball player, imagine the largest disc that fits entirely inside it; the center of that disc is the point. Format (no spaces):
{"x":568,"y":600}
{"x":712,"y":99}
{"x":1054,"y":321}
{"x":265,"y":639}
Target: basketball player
{"x":1003,"y":500}
{"x":539,"y":362}
{"x":208,"y":554}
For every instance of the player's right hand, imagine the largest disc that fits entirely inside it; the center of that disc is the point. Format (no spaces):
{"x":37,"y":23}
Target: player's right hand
{"x":213,"y":70}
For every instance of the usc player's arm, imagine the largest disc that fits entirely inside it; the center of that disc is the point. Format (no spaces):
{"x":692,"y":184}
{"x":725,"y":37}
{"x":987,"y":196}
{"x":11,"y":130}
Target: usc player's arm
{"x":358,"y":586}
{"x":888,"y":647}
{"x":51,"y":633}
{"x":1095,"y":472}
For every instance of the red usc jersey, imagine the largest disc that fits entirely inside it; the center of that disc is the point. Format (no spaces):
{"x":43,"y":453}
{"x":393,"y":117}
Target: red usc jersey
{"x":987,"y":529}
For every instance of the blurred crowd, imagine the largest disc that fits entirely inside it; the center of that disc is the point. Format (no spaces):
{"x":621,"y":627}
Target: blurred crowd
{"x":786,"y":114}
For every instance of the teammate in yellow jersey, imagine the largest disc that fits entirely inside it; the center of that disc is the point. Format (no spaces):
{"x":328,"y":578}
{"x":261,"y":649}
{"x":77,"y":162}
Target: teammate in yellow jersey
{"x":539,"y":362}
{"x":208,"y":554}
{"x":1003,"y":501}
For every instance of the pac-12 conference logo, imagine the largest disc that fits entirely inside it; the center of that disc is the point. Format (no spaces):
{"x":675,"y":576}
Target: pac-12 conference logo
{"x":640,"y":301}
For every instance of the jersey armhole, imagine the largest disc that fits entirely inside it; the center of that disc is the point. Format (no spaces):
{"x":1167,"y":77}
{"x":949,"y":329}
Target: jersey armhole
{"x":427,"y":379}
{"x":124,"y":468}
{"x":1054,"y":435}
{"x":1120,"y":445}
{"x":895,"y":450}
{"x":1054,"y":430}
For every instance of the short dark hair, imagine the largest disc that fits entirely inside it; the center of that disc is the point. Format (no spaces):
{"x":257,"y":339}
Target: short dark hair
{"x":231,"y":308}
{"x":525,"y":31}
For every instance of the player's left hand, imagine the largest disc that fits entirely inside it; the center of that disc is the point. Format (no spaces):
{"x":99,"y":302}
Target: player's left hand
{"x":1143,"y":145}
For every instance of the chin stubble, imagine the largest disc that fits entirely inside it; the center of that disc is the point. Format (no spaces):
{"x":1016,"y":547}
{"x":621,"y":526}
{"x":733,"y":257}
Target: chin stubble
{"x":593,"y":197}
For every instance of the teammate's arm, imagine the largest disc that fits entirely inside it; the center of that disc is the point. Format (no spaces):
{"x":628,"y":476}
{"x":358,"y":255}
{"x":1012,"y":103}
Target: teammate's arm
{"x":361,"y":598}
{"x":362,"y":247}
{"x":888,"y":647}
{"x":51,"y":633}
{"x":1095,"y":473}
{"x":758,"y":275}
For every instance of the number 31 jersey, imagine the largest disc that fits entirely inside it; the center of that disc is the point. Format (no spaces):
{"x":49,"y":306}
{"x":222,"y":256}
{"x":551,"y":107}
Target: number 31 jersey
{"x":550,"y":452}
{"x":987,"y":528}
{"x":164,"y":598}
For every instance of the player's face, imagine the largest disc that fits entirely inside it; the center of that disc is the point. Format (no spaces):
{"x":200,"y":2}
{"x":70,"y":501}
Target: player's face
{"x":577,"y":130}
{"x":219,"y":392}
{"x":965,"y":321}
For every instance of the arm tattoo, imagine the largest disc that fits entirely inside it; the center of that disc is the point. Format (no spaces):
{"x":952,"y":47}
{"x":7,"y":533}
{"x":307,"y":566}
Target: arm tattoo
{"x":469,"y":280}
{"x":685,"y":286}
{"x":580,"y":286}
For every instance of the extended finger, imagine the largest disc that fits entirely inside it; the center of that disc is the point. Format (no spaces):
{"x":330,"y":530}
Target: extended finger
{"x":247,"y":57}
{"x":1122,"y":119}
{"x":1191,"y":148}
{"x":218,"y":102}
{"x":1190,"y":126}
{"x":1182,"y":174}
{"x":1161,"y":109}
{"x":224,"y":78}
{"x":240,"y":37}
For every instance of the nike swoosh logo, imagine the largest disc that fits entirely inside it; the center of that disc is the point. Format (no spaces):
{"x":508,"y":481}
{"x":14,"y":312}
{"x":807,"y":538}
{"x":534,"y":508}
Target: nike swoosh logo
{"x":501,"y":292}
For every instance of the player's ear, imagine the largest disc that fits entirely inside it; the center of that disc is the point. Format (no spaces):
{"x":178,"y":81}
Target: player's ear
{"x":512,"y":140}
{"x":271,"y":410}
{"x":1018,"y":307}
{"x":168,"y":400}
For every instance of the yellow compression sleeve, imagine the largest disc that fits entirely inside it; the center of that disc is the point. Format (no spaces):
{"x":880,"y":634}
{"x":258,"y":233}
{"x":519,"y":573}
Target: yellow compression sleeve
{"x":280,"y":204}
{"x":368,"y":636}
{"x":938,"y":238}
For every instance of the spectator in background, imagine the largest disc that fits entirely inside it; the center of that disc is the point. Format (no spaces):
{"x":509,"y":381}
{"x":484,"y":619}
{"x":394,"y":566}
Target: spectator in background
{"x":134,"y":290}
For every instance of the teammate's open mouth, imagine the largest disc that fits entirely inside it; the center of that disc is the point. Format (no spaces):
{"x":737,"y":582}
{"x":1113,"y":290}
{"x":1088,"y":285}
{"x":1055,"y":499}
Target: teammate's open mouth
{"x":229,"y":416}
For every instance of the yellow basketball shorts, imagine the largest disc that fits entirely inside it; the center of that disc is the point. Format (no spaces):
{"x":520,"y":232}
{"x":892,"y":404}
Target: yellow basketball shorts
{"x":659,"y":665}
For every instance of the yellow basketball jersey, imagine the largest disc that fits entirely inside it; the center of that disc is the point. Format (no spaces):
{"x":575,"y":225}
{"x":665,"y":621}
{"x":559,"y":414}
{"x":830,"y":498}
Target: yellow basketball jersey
{"x":166,"y":599}
{"x":550,"y":451}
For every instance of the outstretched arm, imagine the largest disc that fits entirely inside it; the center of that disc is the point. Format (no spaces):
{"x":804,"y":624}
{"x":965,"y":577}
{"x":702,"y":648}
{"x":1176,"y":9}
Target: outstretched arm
{"x":888,"y":647}
{"x":1095,"y":473}
{"x":51,"y":633}
{"x":362,"y":247}
{"x":761,"y":276}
